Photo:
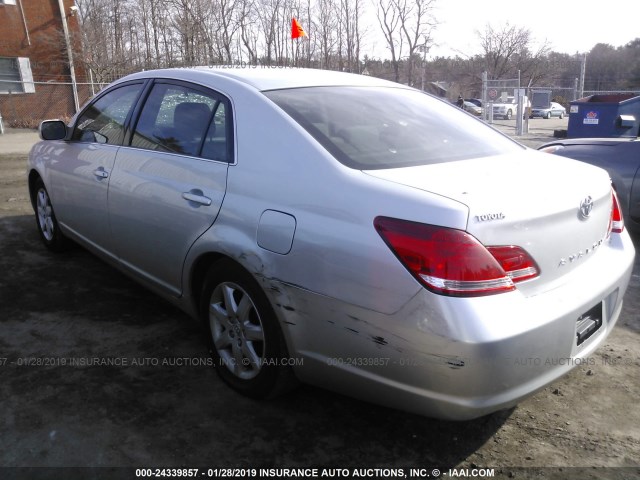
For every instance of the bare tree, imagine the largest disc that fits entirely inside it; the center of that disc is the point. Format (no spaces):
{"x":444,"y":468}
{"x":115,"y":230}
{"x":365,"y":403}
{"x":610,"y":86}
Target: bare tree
{"x":349,"y":12}
{"x":416,"y":22}
{"x":390,"y":22}
{"x":248,"y":23}
{"x":268,"y":18}
{"x":225,"y":18}
{"x":325,"y":31}
{"x":122,"y":36}
{"x":510,"y":49}
{"x":102,"y":52}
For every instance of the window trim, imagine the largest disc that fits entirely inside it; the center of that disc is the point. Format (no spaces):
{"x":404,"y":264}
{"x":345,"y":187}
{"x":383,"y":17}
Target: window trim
{"x":229,"y":125}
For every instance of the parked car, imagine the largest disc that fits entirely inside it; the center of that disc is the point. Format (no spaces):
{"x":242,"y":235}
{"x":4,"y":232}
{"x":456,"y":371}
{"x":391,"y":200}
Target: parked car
{"x":341,"y":230}
{"x":472,"y":108}
{"x":620,"y":157}
{"x":554,"y":110}
{"x":476,"y":101}
{"x":507,"y":109}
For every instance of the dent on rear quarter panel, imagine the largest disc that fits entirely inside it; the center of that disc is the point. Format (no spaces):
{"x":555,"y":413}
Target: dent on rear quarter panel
{"x":326,"y":328}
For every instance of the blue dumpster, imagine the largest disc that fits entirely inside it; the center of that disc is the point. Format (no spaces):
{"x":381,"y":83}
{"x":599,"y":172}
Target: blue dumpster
{"x":615,"y":115}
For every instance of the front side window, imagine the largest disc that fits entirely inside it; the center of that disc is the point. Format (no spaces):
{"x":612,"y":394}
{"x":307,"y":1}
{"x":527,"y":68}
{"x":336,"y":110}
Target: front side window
{"x":375,"y":128}
{"x":182,"y":120}
{"x":103,"y":121}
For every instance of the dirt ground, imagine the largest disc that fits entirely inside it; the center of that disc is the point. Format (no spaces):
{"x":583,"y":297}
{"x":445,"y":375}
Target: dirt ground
{"x":55,"y":307}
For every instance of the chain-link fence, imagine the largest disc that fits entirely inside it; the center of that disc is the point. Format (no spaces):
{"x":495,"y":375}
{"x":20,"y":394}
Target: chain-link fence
{"x":47,"y":100}
{"x":561,"y":95}
{"x":588,"y":93}
{"x":495,"y":90}
{"x":500,"y":98}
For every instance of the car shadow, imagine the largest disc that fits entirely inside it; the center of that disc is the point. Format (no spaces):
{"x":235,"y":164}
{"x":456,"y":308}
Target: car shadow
{"x":100,"y":371}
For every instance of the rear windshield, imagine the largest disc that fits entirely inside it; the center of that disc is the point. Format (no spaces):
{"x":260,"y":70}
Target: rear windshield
{"x":375,"y":128}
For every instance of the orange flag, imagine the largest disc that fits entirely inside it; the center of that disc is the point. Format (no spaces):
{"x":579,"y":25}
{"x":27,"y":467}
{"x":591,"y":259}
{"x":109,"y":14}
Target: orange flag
{"x":296,"y":29}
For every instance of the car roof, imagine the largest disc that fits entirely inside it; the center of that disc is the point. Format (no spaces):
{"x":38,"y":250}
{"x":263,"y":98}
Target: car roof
{"x":268,"y":78}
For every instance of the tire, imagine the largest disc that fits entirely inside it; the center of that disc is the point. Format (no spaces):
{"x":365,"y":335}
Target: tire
{"x":508,"y":115}
{"x":46,"y":222}
{"x":561,"y":115}
{"x":548,"y":115}
{"x":245,"y":340}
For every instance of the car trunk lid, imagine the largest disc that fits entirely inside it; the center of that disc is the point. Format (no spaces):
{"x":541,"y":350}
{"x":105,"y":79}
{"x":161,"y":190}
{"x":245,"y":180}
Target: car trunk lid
{"x":557,"y":209}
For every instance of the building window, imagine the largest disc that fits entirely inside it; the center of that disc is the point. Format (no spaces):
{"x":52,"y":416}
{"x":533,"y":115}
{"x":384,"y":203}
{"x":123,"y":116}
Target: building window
{"x":7,"y":2}
{"x":15,"y":75}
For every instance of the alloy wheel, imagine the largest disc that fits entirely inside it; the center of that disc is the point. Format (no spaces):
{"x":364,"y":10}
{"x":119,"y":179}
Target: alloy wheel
{"x":45,"y":215}
{"x":237,"y":330}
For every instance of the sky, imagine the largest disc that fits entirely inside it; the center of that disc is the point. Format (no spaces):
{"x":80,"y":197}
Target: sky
{"x":569,"y":26}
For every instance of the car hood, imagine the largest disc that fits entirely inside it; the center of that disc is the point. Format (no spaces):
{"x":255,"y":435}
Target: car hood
{"x":527,"y":199}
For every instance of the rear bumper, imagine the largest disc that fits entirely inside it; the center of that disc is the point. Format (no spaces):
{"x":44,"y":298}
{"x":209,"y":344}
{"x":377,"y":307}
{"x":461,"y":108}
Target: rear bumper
{"x":456,"y":358}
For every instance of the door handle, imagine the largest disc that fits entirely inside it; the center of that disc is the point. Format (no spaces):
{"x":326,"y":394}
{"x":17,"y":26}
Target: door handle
{"x":196,"y":197}
{"x":101,"y":173}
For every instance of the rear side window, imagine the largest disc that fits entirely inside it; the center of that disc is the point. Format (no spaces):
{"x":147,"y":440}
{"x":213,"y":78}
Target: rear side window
{"x":216,"y":146}
{"x":178,"y":119}
{"x":103,"y":121}
{"x":375,"y":128}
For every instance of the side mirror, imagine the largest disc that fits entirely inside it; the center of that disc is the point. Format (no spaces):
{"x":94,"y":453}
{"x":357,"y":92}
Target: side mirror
{"x":52,"y":130}
{"x":93,"y":137}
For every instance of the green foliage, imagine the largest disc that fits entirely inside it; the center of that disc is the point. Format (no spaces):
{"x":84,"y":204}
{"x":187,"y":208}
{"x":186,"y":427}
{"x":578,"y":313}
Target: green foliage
{"x":610,"y":68}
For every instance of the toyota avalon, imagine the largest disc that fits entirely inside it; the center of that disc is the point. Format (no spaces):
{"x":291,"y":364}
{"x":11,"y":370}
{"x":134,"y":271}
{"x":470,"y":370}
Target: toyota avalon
{"x":343,"y":231}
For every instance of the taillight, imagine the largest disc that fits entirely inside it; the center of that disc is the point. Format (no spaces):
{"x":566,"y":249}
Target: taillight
{"x":453,"y":262}
{"x":617,"y":220}
{"x":515,"y":261}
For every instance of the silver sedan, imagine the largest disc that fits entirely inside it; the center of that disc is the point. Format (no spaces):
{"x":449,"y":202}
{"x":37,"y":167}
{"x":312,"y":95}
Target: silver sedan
{"x":553,"y":110}
{"x":343,"y":231}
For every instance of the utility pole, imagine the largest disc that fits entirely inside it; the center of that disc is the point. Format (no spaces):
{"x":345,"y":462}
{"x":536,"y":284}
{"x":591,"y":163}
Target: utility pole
{"x":72,"y":70}
{"x":424,"y":49}
{"x":583,"y":70}
{"x":485,"y":105}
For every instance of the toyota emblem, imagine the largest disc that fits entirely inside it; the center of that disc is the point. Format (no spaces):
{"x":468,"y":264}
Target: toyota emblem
{"x":586,"y":206}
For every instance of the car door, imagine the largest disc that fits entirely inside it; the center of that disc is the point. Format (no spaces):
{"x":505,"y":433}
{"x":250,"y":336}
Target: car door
{"x":169,"y":182}
{"x":79,"y":177}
